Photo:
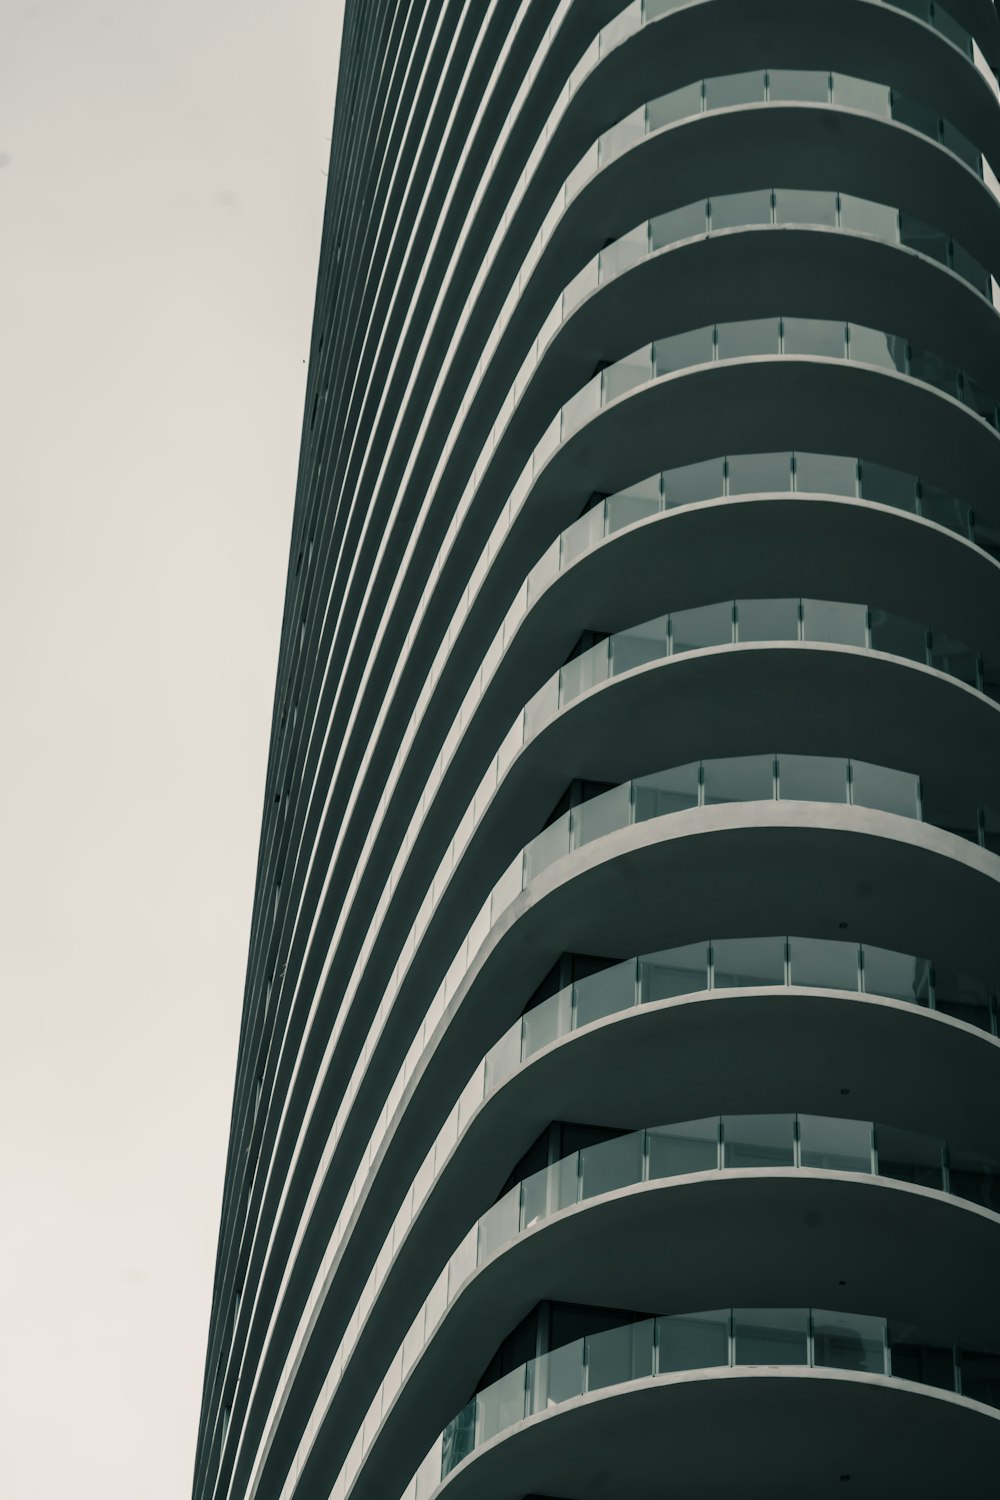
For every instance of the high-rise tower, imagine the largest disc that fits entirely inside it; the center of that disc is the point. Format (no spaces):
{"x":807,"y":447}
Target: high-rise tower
{"x":616,"y":1109}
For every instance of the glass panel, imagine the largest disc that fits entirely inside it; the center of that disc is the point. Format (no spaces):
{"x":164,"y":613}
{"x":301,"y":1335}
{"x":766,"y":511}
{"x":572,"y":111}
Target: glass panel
{"x":969,"y":268}
{"x":602,"y":815}
{"x":500,"y":1224}
{"x":501,"y":1404}
{"x":797,"y":84}
{"x":812,"y":778}
{"x":748,"y":961}
{"x":693,"y":1343}
{"x":692,"y":629}
{"x":888,"y":486}
{"x":545,"y":1023}
{"x":666,"y":792}
{"x":758,"y":1140}
{"x":835,"y":1145}
{"x":872,"y":347}
{"x":909,"y":1157}
{"x":624,"y":253}
{"x":941,"y":506}
{"x":962,"y":146}
{"x":617,"y":1355}
{"x":954,"y":657}
{"x":827,"y":620}
{"x":964,"y":996}
{"x":865,"y":217}
{"x":640,"y":645}
{"x":897,"y":636}
{"x":981,"y":1376}
{"x":676,"y":1150}
{"x":826,"y":474}
{"x":551,"y":844}
{"x":754,"y":473}
{"x":799,"y":206}
{"x":914,"y":1355}
{"x":563,"y":1372}
{"x":735,"y":88}
{"x":611,"y":1165}
{"x":991,"y":829}
{"x":459,"y":1439}
{"x":775,"y":1336}
{"x":849,"y":1341}
{"x":897,"y":975}
{"x":980,"y":400}
{"x":582,"y":535}
{"x":823,"y":963}
{"x":916,"y":235}
{"x":584,"y":672}
{"x":733,"y":210}
{"x":767,"y":619}
{"x":859,"y":93}
{"x":682,"y":351}
{"x":605,"y":994}
{"x":534,"y":1198}
{"x":885,"y":789}
{"x":918,"y":116}
{"x":679,"y":224}
{"x":739,"y":778}
{"x":952,"y":808}
{"x":675,"y":971}
{"x":679,"y":105}
{"x":694,"y":482}
{"x":935,"y":371}
{"x":975,"y":1178}
{"x":580,"y":407}
{"x":819,"y":336}
{"x":625,"y":374}
{"x":634,"y":504}
{"x":621,"y":136}
{"x":750,"y":336}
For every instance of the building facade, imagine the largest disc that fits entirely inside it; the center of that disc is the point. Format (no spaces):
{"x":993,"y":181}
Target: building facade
{"x":616,"y":1106}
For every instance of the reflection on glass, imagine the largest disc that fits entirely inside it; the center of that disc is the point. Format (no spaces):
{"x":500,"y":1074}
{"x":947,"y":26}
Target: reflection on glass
{"x":682,"y":351}
{"x":757,"y":473}
{"x":693,"y":629}
{"x":748,"y":961}
{"x":823,"y":963}
{"x":812,"y":778}
{"x":676,"y":1150}
{"x":826,"y":474}
{"x":849,"y":1341}
{"x":897,"y":636}
{"x":679,"y":224}
{"x":694,"y":482}
{"x":739,"y":778}
{"x":870,"y":347}
{"x":619,"y":1354}
{"x":830,"y":620}
{"x":758,"y":1140}
{"x":734,"y":210}
{"x":815,"y":336}
{"x":676,"y":971}
{"x":885,"y":789}
{"x":897,"y":975}
{"x":749,"y":336}
{"x":835,"y":1145}
{"x":767,"y":619}
{"x":666,"y":792}
{"x":775,"y":1336}
{"x":909,"y":1157}
{"x":801,"y":206}
{"x":693,"y":1343}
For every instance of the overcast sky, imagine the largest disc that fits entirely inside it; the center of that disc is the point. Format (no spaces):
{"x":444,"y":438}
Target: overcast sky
{"x":161,"y":200}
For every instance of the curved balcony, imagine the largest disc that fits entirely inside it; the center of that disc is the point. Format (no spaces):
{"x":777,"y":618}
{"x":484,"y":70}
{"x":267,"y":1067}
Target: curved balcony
{"x":791,"y":1341}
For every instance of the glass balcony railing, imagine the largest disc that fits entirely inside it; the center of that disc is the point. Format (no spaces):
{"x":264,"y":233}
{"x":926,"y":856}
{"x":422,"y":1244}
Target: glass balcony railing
{"x":762,"y":473}
{"x":745,"y":621}
{"x":721,"y":1339}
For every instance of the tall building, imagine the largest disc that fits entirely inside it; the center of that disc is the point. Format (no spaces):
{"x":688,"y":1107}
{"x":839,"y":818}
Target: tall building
{"x":616,"y":1107}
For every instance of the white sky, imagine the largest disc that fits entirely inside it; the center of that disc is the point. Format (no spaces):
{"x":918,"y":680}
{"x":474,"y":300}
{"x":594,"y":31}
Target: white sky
{"x":161,"y":198}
